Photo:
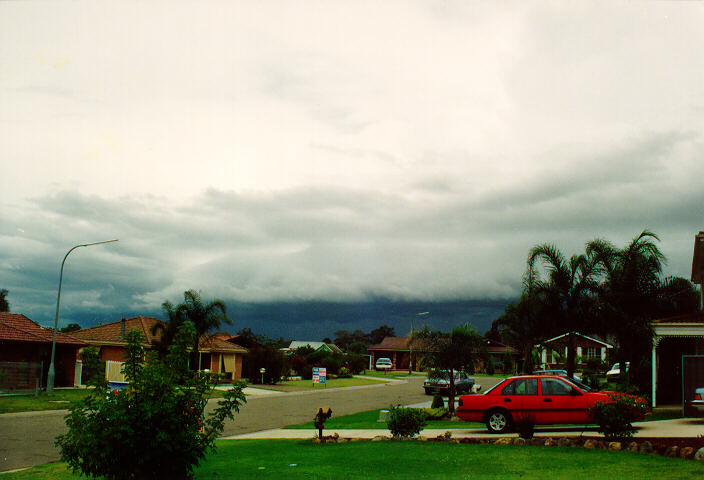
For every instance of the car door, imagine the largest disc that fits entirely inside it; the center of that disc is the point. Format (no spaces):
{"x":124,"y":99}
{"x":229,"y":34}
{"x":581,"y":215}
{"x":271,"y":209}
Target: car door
{"x":561,"y":402}
{"x":520,"y":397}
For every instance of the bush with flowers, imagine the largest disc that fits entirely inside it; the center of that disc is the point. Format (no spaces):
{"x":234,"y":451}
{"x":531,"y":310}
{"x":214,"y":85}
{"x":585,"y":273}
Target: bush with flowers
{"x":155,"y":428}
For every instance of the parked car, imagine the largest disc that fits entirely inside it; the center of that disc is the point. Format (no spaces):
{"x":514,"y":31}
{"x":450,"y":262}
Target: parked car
{"x":384,"y":364}
{"x":438,"y":382}
{"x":698,"y":402}
{"x":615,"y":371}
{"x":548,"y":399}
{"x":554,"y":371}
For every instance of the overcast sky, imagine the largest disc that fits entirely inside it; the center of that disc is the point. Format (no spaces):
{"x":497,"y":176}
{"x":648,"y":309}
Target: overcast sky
{"x":278,"y":151}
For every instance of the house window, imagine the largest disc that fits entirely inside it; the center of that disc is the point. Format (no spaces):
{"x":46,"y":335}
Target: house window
{"x":591,"y":352}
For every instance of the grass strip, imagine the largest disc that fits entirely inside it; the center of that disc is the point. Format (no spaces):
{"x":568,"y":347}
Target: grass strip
{"x":296,"y":459}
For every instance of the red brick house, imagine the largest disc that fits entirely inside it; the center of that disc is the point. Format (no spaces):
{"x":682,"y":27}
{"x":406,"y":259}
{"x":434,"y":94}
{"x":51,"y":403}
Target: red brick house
{"x":25,"y":351}
{"x":216,"y":355}
{"x":396,"y":349}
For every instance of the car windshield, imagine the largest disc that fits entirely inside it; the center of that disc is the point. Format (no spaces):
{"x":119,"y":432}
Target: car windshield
{"x":577,"y":383}
{"x":444,"y":374}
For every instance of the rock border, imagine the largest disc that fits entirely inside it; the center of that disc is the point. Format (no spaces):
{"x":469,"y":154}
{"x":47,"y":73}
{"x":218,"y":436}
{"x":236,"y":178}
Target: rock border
{"x":633,"y":446}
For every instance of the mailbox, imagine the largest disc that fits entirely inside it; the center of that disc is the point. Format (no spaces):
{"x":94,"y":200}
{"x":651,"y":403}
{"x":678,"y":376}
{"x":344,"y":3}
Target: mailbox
{"x":321,"y":415}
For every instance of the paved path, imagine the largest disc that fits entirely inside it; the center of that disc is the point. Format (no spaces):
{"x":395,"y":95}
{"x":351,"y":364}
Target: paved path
{"x":27,"y":439}
{"x":680,"y":427}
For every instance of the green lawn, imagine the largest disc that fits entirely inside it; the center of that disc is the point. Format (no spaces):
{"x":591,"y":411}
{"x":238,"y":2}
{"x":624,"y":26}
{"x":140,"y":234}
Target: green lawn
{"x":330,"y":383}
{"x":61,"y":400}
{"x":368,"y":420}
{"x":296,"y":459}
{"x":390,"y":374}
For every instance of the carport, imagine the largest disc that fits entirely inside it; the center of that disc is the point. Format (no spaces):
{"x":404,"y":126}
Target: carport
{"x":677,"y":337}
{"x":674,"y":338}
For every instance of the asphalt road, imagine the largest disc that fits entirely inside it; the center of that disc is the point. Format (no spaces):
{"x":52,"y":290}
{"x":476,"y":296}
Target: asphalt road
{"x":27,"y":439}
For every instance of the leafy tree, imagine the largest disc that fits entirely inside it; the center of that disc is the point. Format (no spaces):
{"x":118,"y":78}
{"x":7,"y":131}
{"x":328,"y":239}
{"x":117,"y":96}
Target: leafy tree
{"x":71,"y":327}
{"x":247,"y":334}
{"x":344,"y":339}
{"x":378,"y":334}
{"x":521,"y":326}
{"x":454,"y":351}
{"x":4,"y":304}
{"x":156,"y":428}
{"x":269,"y":357}
{"x":565,"y":291}
{"x":357,"y":347}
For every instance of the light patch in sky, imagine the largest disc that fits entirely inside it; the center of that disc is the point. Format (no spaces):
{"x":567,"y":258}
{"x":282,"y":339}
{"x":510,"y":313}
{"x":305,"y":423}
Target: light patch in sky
{"x":280,"y":151}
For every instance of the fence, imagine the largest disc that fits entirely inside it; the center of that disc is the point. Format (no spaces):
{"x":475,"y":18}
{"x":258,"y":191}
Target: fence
{"x":19,"y":377}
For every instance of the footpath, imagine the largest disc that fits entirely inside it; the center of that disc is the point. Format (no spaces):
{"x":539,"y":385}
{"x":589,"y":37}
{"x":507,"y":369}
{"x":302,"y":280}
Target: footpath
{"x":675,"y":428}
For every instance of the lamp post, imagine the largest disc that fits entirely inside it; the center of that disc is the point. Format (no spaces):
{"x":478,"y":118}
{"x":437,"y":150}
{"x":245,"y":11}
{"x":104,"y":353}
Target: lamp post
{"x":51,"y":374}
{"x":410,"y":345}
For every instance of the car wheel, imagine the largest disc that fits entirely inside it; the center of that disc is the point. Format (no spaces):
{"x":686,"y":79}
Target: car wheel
{"x":498,"y":421}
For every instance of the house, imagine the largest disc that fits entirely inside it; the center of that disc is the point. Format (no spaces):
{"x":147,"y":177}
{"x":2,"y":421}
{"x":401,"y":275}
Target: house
{"x":25,"y":354}
{"x":316,"y":346}
{"x":553,"y":352}
{"x":216,"y":355}
{"x":497,"y":352}
{"x":397,"y":349}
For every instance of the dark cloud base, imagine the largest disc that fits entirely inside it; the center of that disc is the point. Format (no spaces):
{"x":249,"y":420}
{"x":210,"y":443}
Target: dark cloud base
{"x":317,"y":320}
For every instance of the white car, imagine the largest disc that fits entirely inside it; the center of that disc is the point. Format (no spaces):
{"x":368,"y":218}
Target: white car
{"x":384,"y":364}
{"x":698,"y":402}
{"x":615,"y":371}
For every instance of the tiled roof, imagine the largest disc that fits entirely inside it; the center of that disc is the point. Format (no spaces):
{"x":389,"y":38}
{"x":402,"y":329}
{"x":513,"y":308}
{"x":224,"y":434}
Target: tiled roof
{"x":391,"y":343}
{"x":17,"y":327}
{"x":112,"y":332}
{"x":214,"y":343}
{"x":492,"y":346}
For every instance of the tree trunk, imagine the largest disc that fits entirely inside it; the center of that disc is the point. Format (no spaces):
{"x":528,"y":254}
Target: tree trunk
{"x":571,"y":349}
{"x":451,"y":395}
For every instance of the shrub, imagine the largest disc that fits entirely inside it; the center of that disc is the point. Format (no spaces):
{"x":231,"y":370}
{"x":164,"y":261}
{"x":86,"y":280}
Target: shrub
{"x":344,"y":373}
{"x":435,"y":413}
{"x":156,"y":428}
{"x":438,"y":402}
{"x":614,"y":417}
{"x":525,"y":425}
{"x":356,"y":363}
{"x":406,"y":422}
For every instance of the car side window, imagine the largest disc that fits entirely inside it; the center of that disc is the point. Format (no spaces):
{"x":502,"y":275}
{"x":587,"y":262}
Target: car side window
{"x":509,"y":389}
{"x":553,"y":386}
{"x":521,"y":386}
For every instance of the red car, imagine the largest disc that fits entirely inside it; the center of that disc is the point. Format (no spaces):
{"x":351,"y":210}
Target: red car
{"x":547,"y":399}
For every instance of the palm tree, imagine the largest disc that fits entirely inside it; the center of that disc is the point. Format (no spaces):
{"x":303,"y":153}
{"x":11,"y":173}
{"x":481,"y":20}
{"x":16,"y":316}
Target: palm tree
{"x":205,"y":317}
{"x":565,"y":291}
{"x":631,"y":292}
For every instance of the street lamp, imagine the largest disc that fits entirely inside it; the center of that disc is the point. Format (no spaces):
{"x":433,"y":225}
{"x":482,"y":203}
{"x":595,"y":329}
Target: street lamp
{"x":410,"y":345}
{"x":51,"y":374}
